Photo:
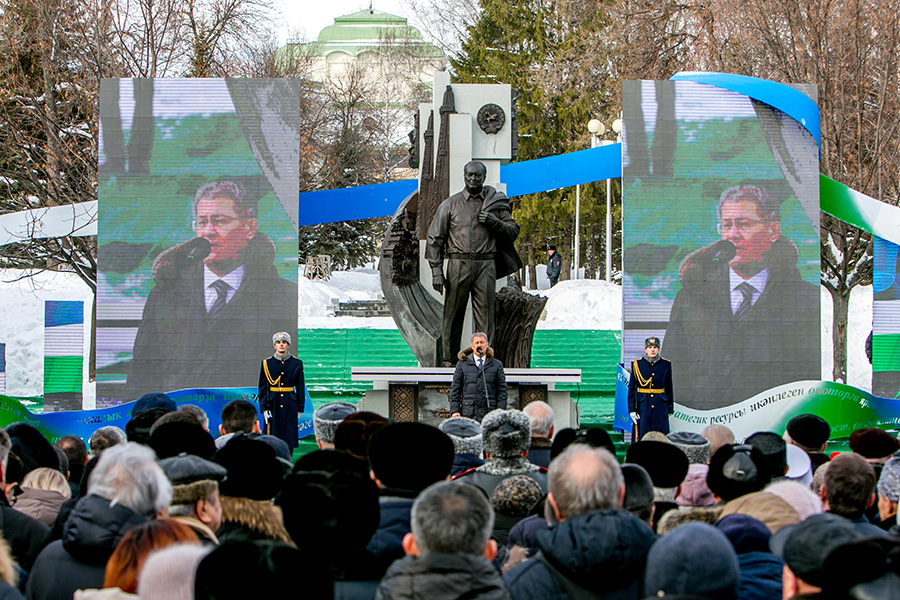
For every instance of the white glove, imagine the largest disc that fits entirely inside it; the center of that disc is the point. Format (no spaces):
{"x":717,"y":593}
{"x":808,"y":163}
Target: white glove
{"x":268,"y":415}
{"x":634,"y":417}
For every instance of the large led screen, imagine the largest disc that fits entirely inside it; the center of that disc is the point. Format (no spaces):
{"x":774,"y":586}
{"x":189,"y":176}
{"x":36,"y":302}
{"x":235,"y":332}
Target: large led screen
{"x":197,"y":232}
{"x":721,"y":242}
{"x":886,"y":317}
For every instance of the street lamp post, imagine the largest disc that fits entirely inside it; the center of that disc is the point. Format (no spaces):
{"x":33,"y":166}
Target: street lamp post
{"x":596,"y":128}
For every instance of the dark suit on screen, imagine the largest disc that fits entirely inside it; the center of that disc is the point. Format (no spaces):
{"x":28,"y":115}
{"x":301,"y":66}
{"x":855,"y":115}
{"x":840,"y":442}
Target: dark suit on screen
{"x":723,"y":360}
{"x":180,"y":346}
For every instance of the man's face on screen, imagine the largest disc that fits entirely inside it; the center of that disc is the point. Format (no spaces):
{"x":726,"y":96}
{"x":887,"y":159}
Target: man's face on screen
{"x":218,"y":221}
{"x":741,"y":224}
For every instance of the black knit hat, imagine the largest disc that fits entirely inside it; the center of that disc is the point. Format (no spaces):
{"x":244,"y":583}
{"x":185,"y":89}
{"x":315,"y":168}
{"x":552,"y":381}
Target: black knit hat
{"x":736,"y":470}
{"x":410,"y":456}
{"x":666,"y":463}
{"x":171,"y":439}
{"x":809,"y":430}
{"x":138,"y":428}
{"x":254,"y":471}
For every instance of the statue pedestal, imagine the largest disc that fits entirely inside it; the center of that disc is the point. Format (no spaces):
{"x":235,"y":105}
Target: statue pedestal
{"x":422,"y":394}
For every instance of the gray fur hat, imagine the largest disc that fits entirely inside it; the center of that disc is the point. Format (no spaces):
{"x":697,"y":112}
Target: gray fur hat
{"x":889,"y":482}
{"x":281,"y":336}
{"x":507,"y":433}
{"x":465,"y":433}
{"x":328,"y":417}
{"x":694,"y":445}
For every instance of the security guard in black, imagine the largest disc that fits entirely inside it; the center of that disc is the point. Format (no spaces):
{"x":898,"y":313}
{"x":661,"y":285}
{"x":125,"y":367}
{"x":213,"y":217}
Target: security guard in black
{"x":650,"y":398}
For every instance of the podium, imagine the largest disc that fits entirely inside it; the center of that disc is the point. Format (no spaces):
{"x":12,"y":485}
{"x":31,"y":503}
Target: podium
{"x":422,"y":394}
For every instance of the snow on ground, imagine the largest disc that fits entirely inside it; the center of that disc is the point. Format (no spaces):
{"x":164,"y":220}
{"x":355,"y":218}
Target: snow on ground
{"x":573,"y":304}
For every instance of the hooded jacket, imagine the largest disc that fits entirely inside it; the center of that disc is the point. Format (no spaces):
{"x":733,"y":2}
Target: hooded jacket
{"x":603,"y":551}
{"x":721,"y":360}
{"x":246,"y":520}
{"x":78,"y":561}
{"x":475,"y":392}
{"x":178,"y":346}
{"x":442,"y":577}
{"x":42,"y":505}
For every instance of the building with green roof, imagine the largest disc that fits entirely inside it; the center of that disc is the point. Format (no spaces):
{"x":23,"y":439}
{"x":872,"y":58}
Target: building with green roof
{"x":386,"y":46}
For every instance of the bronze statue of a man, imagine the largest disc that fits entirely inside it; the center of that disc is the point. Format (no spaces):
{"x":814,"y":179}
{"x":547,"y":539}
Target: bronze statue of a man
{"x":475,"y":231}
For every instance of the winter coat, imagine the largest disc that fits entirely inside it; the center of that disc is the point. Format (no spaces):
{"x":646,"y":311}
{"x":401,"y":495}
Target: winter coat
{"x":760,"y":576}
{"x":26,"y":536}
{"x":464,"y":462}
{"x":539,"y":452}
{"x":525,"y":532}
{"x":8,"y":592}
{"x":476,"y":392}
{"x":395,"y":522}
{"x":42,"y":505}
{"x":78,"y":561}
{"x":246,"y":520}
{"x":603,"y":551}
{"x":489,"y":475}
{"x":442,"y":577}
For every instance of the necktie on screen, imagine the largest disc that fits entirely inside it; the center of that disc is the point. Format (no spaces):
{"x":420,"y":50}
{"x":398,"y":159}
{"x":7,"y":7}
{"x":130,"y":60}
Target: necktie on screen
{"x":746,"y":302}
{"x":218,"y":304}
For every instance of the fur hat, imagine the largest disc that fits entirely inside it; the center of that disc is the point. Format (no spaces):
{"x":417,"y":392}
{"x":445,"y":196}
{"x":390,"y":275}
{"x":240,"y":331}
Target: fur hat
{"x":655,"y":436}
{"x":872,"y":442}
{"x":694,"y":445}
{"x":327,"y":418}
{"x":507,"y":433}
{"x":694,"y":491}
{"x":889,"y":482}
{"x":153,"y":400}
{"x":465,"y":433}
{"x":676,"y":518}
{"x":516,"y":496}
{"x":809,"y":430}
{"x":736,"y":470}
{"x":664,"y":461}
{"x":774,"y":449}
{"x":281,"y":336}
{"x":254,"y":471}
{"x":171,"y":439}
{"x":408,"y":457}
{"x":695,"y":559}
{"x":168,"y":574}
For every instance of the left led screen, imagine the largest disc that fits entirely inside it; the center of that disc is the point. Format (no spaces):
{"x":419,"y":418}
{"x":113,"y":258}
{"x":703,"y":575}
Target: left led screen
{"x":197,"y":232}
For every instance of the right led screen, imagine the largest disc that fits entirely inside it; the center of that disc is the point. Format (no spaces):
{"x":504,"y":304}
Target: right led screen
{"x":721,"y":240}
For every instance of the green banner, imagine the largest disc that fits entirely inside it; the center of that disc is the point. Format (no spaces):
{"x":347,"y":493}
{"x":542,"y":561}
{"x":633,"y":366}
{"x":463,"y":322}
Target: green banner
{"x":859,"y":210}
{"x":846,"y":409}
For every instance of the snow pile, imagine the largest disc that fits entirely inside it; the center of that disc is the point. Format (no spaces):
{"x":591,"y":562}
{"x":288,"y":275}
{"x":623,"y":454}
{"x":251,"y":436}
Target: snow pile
{"x":319,"y":299}
{"x":582,"y":304}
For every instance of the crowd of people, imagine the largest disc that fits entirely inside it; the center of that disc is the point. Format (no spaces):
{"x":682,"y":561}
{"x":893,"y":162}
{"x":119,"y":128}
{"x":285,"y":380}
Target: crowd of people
{"x":507,"y":508}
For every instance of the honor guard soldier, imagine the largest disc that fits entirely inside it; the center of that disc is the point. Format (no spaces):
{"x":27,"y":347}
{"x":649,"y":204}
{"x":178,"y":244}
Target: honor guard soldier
{"x":650,"y":400}
{"x":281,"y":389}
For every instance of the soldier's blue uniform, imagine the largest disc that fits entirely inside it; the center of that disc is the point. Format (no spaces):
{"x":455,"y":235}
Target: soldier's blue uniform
{"x":650,"y":395}
{"x":281,"y":383}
